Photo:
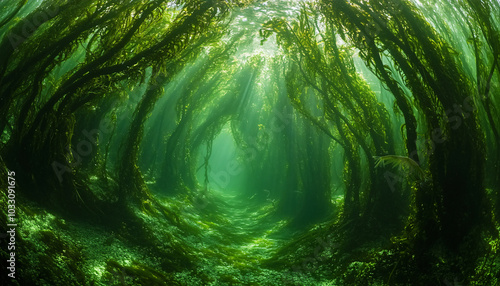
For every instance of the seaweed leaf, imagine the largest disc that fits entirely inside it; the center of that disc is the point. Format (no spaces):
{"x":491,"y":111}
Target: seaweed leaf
{"x":401,"y":162}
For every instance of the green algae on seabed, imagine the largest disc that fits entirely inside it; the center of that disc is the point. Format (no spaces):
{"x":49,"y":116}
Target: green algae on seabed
{"x":214,"y":142}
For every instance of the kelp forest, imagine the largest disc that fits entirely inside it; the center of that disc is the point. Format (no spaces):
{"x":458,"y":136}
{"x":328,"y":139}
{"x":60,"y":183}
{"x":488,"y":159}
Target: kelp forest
{"x":245,"y":142}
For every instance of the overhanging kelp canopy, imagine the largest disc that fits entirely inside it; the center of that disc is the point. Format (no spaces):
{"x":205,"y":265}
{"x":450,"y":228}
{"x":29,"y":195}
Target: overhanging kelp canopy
{"x":369,"y":127}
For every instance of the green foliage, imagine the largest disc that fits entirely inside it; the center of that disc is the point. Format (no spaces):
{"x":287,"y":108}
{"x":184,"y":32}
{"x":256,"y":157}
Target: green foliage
{"x":300,"y":117}
{"x":403,"y":163}
{"x":135,"y":274}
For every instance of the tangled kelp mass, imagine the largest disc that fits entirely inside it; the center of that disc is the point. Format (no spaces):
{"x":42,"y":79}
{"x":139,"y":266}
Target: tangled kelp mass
{"x":212,"y":142}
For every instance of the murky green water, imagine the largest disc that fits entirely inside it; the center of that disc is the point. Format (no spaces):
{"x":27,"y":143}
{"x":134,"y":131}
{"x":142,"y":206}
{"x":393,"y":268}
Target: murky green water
{"x":210,"y":142}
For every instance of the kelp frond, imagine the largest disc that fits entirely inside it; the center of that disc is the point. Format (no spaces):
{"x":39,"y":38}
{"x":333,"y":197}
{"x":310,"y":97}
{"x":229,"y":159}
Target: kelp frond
{"x":402,"y":162}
